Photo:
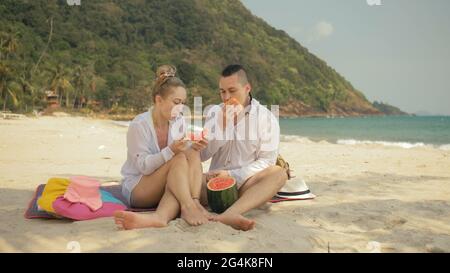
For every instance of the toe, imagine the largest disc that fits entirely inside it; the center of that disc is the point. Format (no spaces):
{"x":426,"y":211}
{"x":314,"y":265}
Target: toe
{"x":119,"y":214}
{"x":251,"y":225}
{"x":120,"y":226}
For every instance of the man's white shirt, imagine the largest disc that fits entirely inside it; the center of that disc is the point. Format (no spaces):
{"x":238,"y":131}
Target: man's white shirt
{"x":247,"y":148}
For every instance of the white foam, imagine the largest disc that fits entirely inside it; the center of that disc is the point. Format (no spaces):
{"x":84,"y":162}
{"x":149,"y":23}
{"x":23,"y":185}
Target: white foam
{"x":405,"y":145}
{"x":305,"y":140}
{"x":445,"y":147}
{"x":296,"y":139}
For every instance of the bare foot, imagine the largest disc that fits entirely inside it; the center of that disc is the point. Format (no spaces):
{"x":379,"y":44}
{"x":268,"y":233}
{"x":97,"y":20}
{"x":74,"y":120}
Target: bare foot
{"x":193,"y":215}
{"x":205,"y":212}
{"x":131,"y":220}
{"x":236,"y":221}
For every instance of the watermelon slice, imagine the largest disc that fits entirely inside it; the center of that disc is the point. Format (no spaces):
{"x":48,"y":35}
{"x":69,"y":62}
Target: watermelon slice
{"x":232,"y":101}
{"x":222,"y":193}
{"x":192,"y":136}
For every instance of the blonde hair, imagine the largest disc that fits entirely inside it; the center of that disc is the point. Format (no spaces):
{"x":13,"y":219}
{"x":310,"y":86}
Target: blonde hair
{"x":165,"y":81}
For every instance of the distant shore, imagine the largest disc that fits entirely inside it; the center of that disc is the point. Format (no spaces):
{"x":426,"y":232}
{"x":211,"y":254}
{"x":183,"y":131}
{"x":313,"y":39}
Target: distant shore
{"x":105,"y":114}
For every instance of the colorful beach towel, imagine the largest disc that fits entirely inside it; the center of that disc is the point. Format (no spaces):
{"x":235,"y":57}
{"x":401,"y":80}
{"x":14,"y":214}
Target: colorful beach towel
{"x":80,"y":211}
{"x":33,"y":211}
{"x":85,"y":190}
{"x":299,"y":191}
{"x":54,"y":188}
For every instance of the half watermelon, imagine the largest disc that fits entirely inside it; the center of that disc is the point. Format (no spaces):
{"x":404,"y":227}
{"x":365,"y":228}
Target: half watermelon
{"x":222,"y":193}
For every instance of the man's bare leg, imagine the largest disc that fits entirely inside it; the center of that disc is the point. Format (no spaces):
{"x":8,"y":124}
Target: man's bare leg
{"x":256,"y":191}
{"x":204,"y":192}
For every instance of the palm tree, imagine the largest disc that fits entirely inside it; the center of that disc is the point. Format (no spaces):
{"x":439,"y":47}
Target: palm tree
{"x":84,"y":83}
{"x":27,"y":87}
{"x":80,"y":83}
{"x":8,"y":87}
{"x":46,"y":46}
{"x":8,"y":44}
{"x":60,"y":83}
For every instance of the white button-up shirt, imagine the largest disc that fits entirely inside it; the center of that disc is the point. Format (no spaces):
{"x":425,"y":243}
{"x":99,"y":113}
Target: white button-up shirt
{"x":251,"y":145}
{"x":144,"y":155}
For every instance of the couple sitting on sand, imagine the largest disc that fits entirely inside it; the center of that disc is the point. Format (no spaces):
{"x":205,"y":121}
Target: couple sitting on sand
{"x":164,"y":171}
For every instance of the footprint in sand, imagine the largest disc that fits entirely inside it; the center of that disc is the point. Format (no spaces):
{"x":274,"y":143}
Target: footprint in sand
{"x":394,"y":222}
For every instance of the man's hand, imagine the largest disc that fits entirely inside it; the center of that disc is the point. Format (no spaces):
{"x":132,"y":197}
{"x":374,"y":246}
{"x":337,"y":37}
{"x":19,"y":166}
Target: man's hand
{"x":218,"y":173}
{"x":230,"y":111}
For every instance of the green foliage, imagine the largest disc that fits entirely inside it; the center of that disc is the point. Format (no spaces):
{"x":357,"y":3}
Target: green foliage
{"x":108,"y":51}
{"x":388,"y":109}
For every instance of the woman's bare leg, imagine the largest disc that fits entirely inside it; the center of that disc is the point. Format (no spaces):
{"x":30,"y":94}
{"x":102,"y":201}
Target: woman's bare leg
{"x":196,"y":179}
{"x":170,"y":179}
{"x":167,"y":210}
{"x":178,"y":183}
{"x":151,"y":188}
{"x":195,"y":172}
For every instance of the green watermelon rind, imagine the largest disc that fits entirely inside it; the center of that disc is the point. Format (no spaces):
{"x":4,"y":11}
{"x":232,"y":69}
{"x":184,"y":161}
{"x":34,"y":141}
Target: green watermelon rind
{"x":220,"y":200}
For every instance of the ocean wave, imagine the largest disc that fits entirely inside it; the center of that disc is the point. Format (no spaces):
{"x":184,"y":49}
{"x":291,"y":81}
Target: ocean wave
{"x":294,"y":138}
{"x":405,"y":145}
{"x":445,"y":147}
{"x":306,"y":140}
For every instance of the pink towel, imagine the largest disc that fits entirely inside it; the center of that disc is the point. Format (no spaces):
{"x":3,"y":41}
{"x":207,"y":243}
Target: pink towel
{"x":80,"y":212}
{"x":84,"y":190}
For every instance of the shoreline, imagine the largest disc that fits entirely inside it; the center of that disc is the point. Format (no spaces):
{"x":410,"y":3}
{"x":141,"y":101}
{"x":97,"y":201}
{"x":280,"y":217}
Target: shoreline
{"x":127,"y":116}
{"x":357,"y":142}
{"x":118,"y":119}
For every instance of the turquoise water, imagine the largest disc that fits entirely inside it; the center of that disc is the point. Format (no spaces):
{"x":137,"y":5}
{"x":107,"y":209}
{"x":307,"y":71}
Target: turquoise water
{"x":433,"y":130}
{"x":403,"y":131}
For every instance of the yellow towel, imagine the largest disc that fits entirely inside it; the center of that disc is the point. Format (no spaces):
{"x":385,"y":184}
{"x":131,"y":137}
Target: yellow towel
{"x":54,"y":188}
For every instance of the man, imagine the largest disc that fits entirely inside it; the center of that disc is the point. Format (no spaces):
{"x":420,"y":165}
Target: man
{"x":249,"y":150}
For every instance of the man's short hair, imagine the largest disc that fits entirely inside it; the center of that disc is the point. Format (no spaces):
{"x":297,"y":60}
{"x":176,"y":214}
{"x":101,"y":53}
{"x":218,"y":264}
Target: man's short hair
{"x":236,"y":69}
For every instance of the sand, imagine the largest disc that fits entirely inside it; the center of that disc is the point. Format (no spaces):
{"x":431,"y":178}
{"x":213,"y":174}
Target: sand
{"x":370,"y":198}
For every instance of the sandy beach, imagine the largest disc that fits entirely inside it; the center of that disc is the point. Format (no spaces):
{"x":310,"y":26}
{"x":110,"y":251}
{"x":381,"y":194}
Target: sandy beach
{"x":397,"y":197}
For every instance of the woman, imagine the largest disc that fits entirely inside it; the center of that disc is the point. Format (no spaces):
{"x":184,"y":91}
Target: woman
{"x":160,"y":169}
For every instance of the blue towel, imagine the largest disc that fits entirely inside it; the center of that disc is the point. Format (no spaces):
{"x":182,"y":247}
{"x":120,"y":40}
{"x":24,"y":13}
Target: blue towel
{"x":108,"y":197}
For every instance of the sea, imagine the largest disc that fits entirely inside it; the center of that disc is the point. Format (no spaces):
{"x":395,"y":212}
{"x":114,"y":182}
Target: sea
{"x":400,"y":131}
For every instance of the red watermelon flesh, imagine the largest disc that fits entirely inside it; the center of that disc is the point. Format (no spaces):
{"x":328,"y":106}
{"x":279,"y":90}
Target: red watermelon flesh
{"x":222,"y":193}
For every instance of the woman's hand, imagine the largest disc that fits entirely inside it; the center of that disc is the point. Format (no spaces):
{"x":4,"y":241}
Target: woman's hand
{"x":199,"y":145}
{"x":178,"y":146}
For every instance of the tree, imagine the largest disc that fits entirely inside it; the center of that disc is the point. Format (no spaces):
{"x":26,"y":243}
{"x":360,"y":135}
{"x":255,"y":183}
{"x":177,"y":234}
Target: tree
{"x":8,"y":86}
{"x":60,"y":83}
{"x":79,"y":84}
{"x":46,"y":46}
{"x":8,"y":44}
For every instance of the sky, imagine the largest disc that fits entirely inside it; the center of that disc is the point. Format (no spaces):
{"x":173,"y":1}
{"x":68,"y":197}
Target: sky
{"x":397,"y":52}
